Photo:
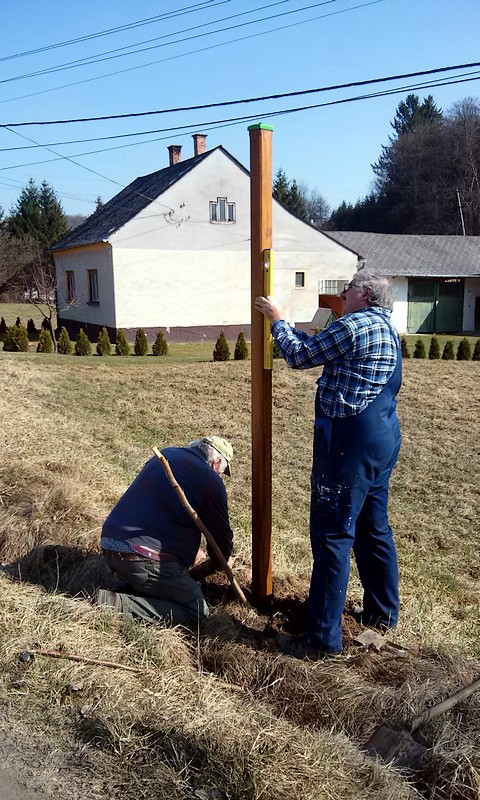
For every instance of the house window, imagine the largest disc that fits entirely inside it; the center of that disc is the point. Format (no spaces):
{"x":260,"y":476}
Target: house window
{"x":222,"y":210}
{"x":332,"y":286}
{"x":70,"y":285}
{"x":92,"y":286}
{"x":299,"y":280}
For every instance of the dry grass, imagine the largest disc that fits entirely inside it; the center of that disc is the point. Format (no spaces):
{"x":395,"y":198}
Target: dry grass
{"x":75,"y":434}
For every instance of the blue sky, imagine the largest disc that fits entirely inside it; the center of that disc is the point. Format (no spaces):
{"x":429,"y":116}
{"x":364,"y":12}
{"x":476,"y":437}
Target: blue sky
{"x":329,"y":149}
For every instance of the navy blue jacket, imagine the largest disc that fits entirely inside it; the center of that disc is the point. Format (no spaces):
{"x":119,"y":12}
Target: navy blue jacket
{"x":151,"y":514}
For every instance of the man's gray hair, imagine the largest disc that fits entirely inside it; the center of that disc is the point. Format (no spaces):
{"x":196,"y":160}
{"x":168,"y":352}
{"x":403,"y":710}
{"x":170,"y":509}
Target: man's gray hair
{"x":378,"y":288}
{"x":209,"y":452}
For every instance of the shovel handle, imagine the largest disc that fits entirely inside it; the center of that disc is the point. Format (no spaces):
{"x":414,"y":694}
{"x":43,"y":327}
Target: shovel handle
{"x":198,"y":522}
{"x":440,"y":708}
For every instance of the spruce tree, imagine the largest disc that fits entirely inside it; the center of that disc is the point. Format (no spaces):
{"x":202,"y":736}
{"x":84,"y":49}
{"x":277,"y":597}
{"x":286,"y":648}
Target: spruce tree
{"x":221,"y":350}
{"x":141,"y":343}
{"x":448,"y":351}
{"x":241,"y":348}
{"x":160,"y":346}
{"x":122,"y":348}
{"x":476,"y":351}
{"x":104,"y":345}
{"x":434,"y":349}
{"x":464,"y":351}
{"x":277,"y":353}
{"x":3,"y":327}
{"x":18,"y":321}
{"x":31,"y":329}
{"x":64,"y":345}
{"x":16,"y":339}
{"x":45,"y":342}
{"x":419,"y":351}
{"x":405,"y":351}
{"x":82,"y":345}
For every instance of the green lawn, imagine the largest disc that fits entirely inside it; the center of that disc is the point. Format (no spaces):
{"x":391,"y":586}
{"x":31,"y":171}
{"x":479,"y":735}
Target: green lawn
{"x":443,"y":338}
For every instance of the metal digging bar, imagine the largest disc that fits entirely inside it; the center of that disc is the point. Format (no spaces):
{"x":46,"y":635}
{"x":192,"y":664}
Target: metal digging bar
{"x":198,"y":522}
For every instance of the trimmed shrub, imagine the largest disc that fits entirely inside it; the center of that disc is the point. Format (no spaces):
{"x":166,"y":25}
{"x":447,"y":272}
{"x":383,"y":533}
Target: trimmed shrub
{"x":405,"y":352}
{"x":221,"y":351}
{"x":3,"y":327}
{"x":464,"y":351}
{"x":448,"y":351}
{"x":241,"y":348}
{"x":31,"y":329}
{"x":276,"y":350}
{"x":476,"y":351}
{"x":46,"y":324}
{"x":64,"y":345}
{"x":140,"y":347}
{"x":160,"y":346}
{"x":419,"y":351}
{"x":434,"y":349}
{"x":16,"y":339}
{"x":82,"y":345}
{"x":104,"y":345}
{"x":122,"y":348}
{"x":45,"y":342}
{"x":18,"y":322}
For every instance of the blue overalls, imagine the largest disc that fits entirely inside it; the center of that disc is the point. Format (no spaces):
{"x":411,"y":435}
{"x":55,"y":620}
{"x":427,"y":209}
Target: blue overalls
{"x":353,"y":458}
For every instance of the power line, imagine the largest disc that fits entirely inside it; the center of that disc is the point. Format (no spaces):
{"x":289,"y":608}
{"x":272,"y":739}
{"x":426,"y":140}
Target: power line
{"x":278,"y":96}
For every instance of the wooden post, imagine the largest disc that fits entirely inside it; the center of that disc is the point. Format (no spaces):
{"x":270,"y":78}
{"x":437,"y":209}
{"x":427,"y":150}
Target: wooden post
{"x":261,"y":178}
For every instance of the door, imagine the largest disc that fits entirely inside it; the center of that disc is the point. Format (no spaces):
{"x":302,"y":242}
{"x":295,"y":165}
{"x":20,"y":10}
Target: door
{"x":421,"y":305}
{"x":435,"y":305}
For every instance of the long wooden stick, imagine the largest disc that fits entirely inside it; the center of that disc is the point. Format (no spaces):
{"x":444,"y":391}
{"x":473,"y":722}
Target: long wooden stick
{"x":85,"y":659}
{"x":198,"y":522}
{"x":445,"y":705}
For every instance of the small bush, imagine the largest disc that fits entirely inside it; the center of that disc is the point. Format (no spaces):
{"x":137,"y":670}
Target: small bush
{"x":419,"y":351}
{"x":160,"y":346}
{"x":464,"y":351}
{"x":221,"y":351}
{"x":82,"y":345}
{"x":46,"y":324}
{"x":16,"y":339}
{"x":405,"y":352}
{"x":476,"y":351}
{"x":140,"y":347}
{"x":448,"y":351}
{"x":64,"y":345}
{"x":434,"y":349}
{"x":18,"y":322}
{"x":241,"y":348}
{"x":122,"y":348}
{"x":104,"y":345}
{"x":3,"y":327}
{"x":31,"y":329}
{"x":276,"y":350}
{"x":45,"y":342}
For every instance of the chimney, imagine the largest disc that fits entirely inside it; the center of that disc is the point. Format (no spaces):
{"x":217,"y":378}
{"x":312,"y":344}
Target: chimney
{"x":199,"y":143}
{"x":175,"y":153}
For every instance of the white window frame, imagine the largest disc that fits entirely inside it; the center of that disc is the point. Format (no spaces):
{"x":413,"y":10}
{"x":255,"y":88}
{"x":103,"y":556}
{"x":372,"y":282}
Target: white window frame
{"x":70,"y":279}
{"x":332,"y":286}
{"x":223,"y":211}
{"x":93,"y":286}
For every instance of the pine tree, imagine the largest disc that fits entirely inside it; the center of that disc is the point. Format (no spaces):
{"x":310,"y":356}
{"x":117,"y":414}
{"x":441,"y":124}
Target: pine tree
{"x":419,"y":351}
{"x":241,"y":348}
{"x":122,"y":348}
{"x":160,"y":346}
{"x":45,"y":342}
{"x":405,"y":351}
{"x":3,"y":327}
{"x":82,"y":345}
{"x":476,"y":351}
{"x":31,"y":329}
{"x":434,"y":350}
{"x":277,"y":353}
{"x":18,"y":322}
{"x":38,"y":213}
{"x":64,"y":345}
{"x":16,"y":339}
{"x":221,"y":350}
{"x":464,"y":351}
{"x":140,"y":347}
{"x":448,"y":351}
{"x":104,"y":345}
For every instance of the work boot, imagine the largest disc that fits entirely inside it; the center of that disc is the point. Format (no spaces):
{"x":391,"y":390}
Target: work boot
{"x":298,"y":647}
{"x":105,"y":597}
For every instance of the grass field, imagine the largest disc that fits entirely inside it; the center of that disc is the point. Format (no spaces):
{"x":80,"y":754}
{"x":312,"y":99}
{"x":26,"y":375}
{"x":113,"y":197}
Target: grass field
{"x":225,"y":711}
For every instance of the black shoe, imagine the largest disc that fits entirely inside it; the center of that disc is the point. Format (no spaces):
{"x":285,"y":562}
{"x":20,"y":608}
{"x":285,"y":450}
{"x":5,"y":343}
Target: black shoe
{"x":298,"y":647}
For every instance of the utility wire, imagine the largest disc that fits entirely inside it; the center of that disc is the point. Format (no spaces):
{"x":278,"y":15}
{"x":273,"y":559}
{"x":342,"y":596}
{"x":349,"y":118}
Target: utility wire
{"x":281,"y":95}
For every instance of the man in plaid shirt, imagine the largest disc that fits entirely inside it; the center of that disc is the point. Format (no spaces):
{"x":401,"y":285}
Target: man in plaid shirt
{"x":356,"y":444}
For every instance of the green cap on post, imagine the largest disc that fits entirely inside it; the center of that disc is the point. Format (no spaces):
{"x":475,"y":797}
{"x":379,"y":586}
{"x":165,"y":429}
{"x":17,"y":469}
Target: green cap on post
{"x":260,"y":126}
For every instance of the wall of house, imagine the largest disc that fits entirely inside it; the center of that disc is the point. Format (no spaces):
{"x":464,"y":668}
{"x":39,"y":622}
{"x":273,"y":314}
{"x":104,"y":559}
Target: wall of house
{"x":83,"y":313}
{"x":400,"y":307}
{"x":472,"y":300}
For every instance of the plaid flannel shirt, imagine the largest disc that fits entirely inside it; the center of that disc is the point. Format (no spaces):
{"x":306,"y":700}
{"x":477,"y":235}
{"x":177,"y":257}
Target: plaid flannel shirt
{"x":359,"y":352}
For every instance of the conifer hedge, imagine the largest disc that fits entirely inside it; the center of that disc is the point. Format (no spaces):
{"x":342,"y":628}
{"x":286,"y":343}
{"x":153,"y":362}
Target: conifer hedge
{"x":221,"y":351}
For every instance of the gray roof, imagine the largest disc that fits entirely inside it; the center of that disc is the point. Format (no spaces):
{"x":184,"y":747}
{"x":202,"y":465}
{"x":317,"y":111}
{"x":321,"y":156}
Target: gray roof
{"x":128,"y":203}
{"x":403,"y":254}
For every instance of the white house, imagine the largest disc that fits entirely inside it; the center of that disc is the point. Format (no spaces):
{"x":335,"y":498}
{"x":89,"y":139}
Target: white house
{"x":171,"y":251}
{"x":436,"y":278}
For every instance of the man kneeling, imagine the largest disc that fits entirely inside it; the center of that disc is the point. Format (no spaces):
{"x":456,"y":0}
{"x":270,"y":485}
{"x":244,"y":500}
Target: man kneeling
{"x":150,"y":541}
